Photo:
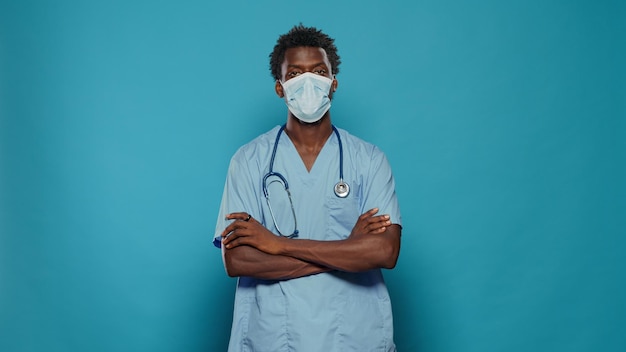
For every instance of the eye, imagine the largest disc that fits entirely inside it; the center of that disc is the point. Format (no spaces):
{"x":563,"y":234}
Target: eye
{"x":293,"y":74}
{"x":320,"y":71}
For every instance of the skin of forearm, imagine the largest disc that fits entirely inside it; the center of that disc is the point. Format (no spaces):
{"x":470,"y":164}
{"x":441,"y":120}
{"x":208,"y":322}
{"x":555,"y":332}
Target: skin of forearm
{"x":352,"y":254}
{"x":249,"y":261}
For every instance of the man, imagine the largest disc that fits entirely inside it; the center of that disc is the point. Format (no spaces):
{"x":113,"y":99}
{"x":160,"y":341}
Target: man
{"x":309,"y":216}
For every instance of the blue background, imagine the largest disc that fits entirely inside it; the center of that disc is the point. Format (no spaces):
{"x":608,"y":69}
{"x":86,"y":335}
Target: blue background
{"x":504,"y":123}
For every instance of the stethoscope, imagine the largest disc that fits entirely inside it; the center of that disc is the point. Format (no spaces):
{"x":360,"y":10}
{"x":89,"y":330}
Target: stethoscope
{"x":341,"y":189}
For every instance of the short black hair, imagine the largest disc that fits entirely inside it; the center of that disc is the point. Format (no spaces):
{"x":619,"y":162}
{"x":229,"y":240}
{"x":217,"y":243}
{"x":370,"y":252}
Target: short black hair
{"x":303,"y":36}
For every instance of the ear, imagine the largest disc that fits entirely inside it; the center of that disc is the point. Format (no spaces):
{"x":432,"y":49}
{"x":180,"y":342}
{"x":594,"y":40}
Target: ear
{"x":334,"y":84}
{"x":279,"y":89}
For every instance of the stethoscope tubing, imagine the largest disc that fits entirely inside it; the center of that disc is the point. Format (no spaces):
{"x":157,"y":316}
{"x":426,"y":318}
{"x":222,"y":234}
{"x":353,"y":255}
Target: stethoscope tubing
{"x":282,"y":178}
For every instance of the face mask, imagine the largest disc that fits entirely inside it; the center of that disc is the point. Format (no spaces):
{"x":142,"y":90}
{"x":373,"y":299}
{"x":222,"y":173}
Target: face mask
{"x":307,"y":96}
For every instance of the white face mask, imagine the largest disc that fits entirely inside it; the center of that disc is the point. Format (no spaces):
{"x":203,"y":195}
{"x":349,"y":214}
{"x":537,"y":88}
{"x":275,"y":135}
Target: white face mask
{"x":306,"y":96}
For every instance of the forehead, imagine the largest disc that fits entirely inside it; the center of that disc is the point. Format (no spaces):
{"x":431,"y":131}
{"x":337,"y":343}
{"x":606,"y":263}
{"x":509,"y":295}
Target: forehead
{"x":305,"y":55}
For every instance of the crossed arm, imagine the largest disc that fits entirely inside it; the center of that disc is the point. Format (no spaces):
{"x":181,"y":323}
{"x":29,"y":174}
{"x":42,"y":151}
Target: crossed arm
{"x":249,"y":249}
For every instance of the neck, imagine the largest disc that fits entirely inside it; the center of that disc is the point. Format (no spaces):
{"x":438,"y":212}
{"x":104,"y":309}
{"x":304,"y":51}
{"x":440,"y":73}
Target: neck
{"x":309,"y":135}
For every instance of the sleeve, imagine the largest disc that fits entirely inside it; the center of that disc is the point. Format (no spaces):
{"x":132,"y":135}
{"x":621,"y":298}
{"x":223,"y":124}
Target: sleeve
{"x":381,"y":190}
{"x":239,"y":195}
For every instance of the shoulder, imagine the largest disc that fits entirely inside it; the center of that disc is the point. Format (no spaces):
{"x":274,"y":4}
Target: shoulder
{"x":358,"y":147}
{"x":258,"y":146}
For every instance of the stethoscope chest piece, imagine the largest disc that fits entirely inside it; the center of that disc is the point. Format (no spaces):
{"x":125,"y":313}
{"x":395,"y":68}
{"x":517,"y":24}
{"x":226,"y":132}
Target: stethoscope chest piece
{"x":342,"y":189}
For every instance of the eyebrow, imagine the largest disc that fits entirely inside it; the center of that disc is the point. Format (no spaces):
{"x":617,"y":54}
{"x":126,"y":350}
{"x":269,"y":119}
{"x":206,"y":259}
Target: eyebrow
{"x":300,"y":66}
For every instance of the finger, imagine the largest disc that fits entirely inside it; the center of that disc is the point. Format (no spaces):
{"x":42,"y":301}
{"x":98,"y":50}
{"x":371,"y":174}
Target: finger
{"x":226,"y":231}
{"x":368,"y":214}
{"x":372,"y":211}
{"x":230,"y":228}
{"x":374,"y":228}
{"x":237,"y":216}
{"x":378,"y":219}
{"x":379,"y":230}
{"x":236,"y":235}
{"x":237,"y":225}
{"x":234,"y":243}
{"x":228,"y":236}
{"x":382,"y":217}
{"x":381,"y":223}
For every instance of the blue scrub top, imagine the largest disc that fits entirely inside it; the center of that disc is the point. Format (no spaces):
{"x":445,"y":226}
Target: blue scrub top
{"x":334,"y":311}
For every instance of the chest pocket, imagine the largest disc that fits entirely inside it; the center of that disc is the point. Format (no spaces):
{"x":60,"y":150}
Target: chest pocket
{"x":341,"y":215}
